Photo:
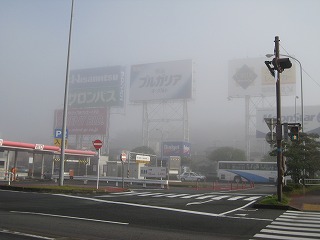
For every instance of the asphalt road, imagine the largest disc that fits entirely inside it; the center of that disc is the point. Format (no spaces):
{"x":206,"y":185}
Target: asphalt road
{"x":140,"y":214}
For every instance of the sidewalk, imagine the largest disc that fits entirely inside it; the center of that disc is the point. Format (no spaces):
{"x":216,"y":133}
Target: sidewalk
{"x":307,"y":202}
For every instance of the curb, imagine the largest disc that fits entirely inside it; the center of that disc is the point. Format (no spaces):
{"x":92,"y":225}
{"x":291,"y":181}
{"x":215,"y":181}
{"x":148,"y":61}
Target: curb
{"x":279,"y":207}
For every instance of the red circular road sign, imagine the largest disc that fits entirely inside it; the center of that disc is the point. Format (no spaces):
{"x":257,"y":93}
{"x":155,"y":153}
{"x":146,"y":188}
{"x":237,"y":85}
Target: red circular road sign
{"x":123,"y":157}
{"x":97,"y":144}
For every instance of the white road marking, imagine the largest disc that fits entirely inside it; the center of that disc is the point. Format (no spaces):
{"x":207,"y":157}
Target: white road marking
{"x":167,"y":208}
{"x":70,"y":217}
{"x":206,"y":196}
{"x":25,"y":234}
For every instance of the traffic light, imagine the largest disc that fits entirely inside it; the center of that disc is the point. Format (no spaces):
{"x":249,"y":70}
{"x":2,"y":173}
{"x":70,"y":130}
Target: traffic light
{"x":294,"y":133}
{"x":280,"y":64}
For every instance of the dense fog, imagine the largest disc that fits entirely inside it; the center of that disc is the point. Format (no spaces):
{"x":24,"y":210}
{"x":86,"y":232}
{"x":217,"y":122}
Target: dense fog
{"x":211,"y":33}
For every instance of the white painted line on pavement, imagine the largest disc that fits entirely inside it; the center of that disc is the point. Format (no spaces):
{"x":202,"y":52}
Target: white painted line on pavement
{"x":167,"y":208}
{"x":24,"y":234}
{"x":70,"y":217}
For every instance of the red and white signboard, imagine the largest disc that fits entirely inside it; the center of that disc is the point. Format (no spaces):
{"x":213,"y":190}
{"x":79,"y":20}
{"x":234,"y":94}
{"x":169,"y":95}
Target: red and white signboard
{"x":123,"y":157}
{"x":83,"y":121}
{"x":97,"y":144}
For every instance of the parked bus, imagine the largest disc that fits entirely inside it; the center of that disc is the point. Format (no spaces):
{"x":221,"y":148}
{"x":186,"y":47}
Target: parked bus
{"x":2,"y":169}
{"x":237,"y":171}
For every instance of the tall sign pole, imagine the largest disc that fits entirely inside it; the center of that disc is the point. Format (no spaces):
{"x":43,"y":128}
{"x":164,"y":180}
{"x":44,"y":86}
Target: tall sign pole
{"x":279,"y":65}
{"x":279,"y":125}
{"x":65,"y":105}
{"x":97,"y":145}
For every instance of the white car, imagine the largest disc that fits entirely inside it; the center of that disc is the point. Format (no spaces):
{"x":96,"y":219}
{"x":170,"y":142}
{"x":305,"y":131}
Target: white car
{"x":191,"y":176}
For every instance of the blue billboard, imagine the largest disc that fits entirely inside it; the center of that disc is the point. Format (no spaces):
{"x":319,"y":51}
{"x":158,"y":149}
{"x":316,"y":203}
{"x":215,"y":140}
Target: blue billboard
{"x":181,"y":149}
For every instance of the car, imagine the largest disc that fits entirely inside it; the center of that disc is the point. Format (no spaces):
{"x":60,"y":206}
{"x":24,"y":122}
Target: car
{"x":191,"y":176}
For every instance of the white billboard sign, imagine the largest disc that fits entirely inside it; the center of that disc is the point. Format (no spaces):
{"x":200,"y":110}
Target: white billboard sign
{"x":153,"y":172}
{"x":251,"y":77}
{"x":311,"y":120}
{"x":157,"y":81}
{"x":142,"y":158}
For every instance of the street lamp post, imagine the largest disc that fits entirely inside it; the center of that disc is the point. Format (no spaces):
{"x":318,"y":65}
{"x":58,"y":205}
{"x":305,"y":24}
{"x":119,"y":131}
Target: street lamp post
{"x":161,"y":146}
{"x":301,"y":85}
{"x":295,"y":109}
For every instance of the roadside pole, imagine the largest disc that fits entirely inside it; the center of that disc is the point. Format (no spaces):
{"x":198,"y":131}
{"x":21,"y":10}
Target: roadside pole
{"x":97,"y":145}
{"x":98,"y":168}
{"x":123,"y":158}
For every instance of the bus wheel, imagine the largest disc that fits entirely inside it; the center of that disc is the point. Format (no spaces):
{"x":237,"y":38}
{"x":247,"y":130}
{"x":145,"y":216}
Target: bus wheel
{"x":237,"y":179}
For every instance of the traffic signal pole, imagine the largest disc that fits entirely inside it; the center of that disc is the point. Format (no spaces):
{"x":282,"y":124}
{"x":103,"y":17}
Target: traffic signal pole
{"x":279,"y":125}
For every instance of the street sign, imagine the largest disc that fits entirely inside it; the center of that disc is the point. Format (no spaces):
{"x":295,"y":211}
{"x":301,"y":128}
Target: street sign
{"x":142,"y":159}
{"x":97,"y":144}
{"x":271,"y":137}
{"x":123,"y":157}
{"x":271,"y":122}
{"x":58,"y":133}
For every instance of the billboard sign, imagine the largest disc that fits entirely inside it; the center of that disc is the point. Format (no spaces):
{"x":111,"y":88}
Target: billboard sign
{"x":251,"y":77}
{"x":153,"y":172}
{"x":83,"y":121}
{"x":311,"y":120}
{"x":97,"y":87}
{"x":181,"y":149}
{"x":161,"y":81}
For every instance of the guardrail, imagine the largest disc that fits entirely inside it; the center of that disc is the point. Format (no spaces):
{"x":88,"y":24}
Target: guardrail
{"x":309,"y":182}
{"x":117,"y":180}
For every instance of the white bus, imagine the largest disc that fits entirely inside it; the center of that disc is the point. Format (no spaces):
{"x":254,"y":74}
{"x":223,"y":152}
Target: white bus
{"x":237,"y":171}
{"x":2,"y":169}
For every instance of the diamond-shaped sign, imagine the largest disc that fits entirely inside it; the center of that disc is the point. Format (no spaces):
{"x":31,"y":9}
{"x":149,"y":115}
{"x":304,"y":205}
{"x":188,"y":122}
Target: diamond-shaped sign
{"x":271,"y":122}
{"x":245,"y":76}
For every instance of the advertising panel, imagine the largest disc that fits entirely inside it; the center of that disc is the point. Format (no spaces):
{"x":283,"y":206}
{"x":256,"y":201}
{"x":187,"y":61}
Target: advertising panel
{"x":97,"y":87}
{"x":157,"y":81}
{"x":83,"y":121}
{"x":311,"y":119}
{"x":153,"y":172}
{"x":181,"y":149}
{"x":251,"y":77}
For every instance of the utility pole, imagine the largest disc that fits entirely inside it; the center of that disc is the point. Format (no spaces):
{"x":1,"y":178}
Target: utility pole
{"x":279,"y":65}
{"x":279,"y":125}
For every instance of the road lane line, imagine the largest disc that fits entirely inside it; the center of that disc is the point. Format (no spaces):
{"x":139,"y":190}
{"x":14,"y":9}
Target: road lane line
{"x":166,"y":208}
{"x":70,"y":217}
{"x":237,"y":209}
{"x":235,"y":198}
{"x":206,"y":196}
{"x":25,"y":234}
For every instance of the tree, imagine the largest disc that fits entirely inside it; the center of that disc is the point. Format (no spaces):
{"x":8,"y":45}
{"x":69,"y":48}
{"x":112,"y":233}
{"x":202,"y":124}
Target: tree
{"x":227,"y":154}
{"x":303,"y":157}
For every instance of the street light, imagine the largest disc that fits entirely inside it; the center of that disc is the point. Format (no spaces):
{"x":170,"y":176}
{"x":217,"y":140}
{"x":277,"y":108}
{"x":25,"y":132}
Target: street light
{"x":295,"y":108}
{"x":302,"y":116}
{"x":161,"y":147}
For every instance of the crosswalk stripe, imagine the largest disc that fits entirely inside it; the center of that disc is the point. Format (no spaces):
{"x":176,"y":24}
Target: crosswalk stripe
{"x":296,"y":224}
{"x":177,"y":195}
{"x":268,"y":236}
{"x":206,"y":196}
{"x":191,"y":196}
{"x":220,"y":197}
{"x":305,"y":234}
{"x":292,"y":225}
{"x":235,"y":198}
{"x":297,"y":220}
{"x":295,"y":228}
{"x":251,"y":198}
{"x":200,"y":196}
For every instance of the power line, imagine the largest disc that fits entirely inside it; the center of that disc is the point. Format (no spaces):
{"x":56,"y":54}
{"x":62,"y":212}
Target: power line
{"x":315,"y":81}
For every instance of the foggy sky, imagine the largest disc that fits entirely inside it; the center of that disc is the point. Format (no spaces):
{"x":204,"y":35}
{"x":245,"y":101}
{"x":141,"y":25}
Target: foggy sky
{"x":34,"y":41}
